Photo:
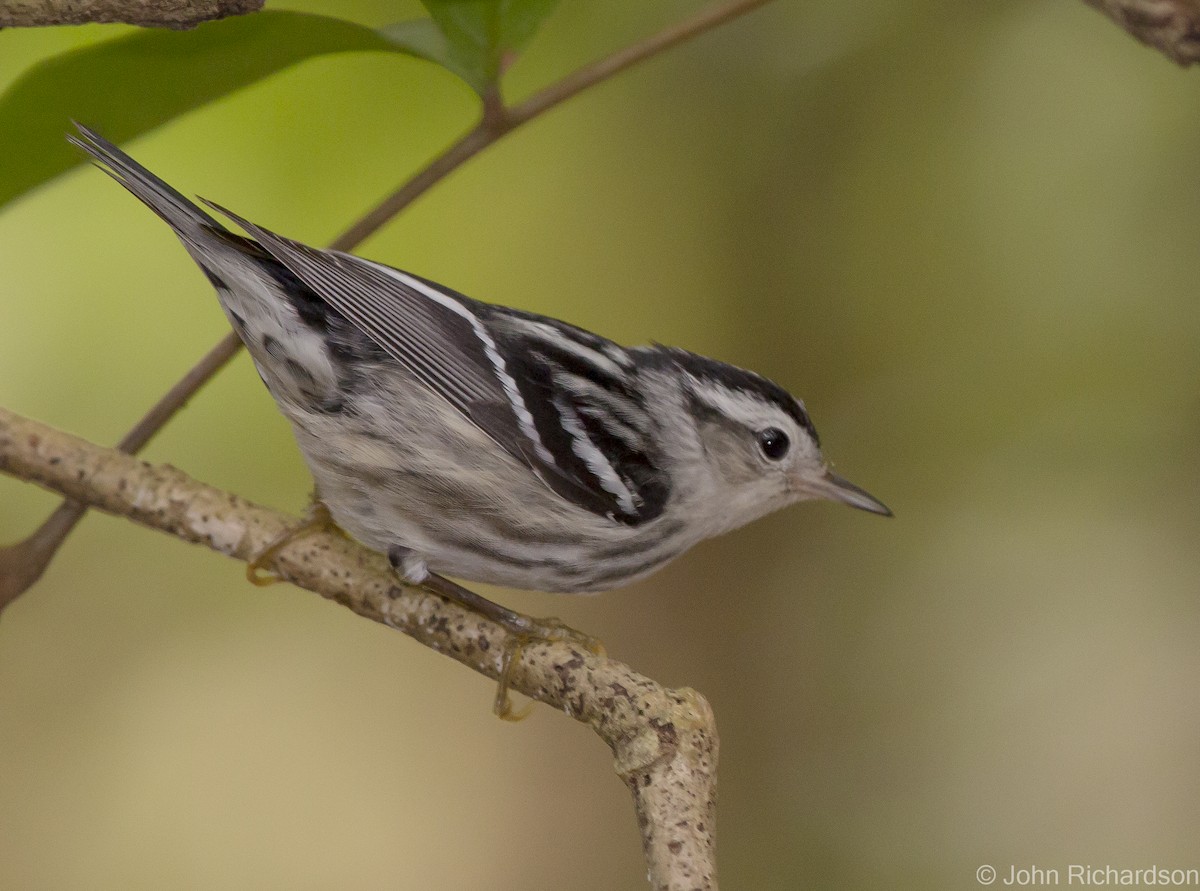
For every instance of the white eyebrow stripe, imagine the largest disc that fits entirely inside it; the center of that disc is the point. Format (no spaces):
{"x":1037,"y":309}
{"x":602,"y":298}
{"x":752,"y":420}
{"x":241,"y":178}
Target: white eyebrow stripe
{"x":739,"y":406}
{"x":507,"y":382}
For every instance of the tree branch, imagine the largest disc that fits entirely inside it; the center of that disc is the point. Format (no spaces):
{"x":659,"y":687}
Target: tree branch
{"x":178,"y":14}
{"x":664,"y":741}
{"x":1170,"y":26}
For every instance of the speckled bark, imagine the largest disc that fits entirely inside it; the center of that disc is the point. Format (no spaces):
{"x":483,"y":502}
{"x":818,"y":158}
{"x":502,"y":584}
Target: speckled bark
{"x":664,"y":741}
{"x":149,"y":13}
{"x":1170,"y":26}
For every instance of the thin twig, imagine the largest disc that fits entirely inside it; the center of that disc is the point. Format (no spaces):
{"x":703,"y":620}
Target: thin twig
{"x":466,"y":147}
{"x":499,"y":120}
{"x":24,"y":563}
{"x":177,"y":397}
{"x":601,"y":70}
{"x":664,"y":741}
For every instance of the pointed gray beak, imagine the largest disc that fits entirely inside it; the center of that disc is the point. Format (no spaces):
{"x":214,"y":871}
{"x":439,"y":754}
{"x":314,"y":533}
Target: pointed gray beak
{"x":837,"y":489}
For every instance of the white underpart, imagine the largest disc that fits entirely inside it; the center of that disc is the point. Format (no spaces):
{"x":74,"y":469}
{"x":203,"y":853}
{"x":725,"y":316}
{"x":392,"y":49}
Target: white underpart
{"x":266,"y":312}
{"x":515,"y":400}
{"x":414,"y":569}
{"x":587,"y":452}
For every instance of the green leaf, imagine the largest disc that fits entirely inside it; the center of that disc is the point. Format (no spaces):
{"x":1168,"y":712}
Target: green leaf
{"x":132,"y":84}
{"x":483,"y":36}
{"x":424,"y":39}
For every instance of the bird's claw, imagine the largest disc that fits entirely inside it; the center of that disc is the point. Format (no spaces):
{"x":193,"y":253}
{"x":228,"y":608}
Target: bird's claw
{"x":533,"y":631}
{"x":316,"y":519}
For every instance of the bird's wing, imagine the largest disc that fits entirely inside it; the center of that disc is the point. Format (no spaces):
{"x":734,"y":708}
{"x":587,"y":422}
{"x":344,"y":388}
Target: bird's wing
{"x":481,"y":365}
{"x":587,"y":406}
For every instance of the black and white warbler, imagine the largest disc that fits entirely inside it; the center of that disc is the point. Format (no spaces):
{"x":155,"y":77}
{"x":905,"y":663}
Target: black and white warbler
{"x":488,"y":443}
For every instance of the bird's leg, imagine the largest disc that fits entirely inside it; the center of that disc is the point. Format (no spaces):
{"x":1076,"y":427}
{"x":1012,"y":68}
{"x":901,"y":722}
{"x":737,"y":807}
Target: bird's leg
{"x":522,"y":630}
{"x":316,"y":519}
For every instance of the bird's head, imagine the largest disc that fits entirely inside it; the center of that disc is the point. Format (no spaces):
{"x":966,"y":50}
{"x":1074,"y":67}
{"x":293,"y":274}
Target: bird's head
{"x":757,"y":444}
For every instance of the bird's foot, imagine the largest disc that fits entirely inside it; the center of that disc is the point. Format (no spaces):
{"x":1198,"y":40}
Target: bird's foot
{"x":523,"y":631}
{"x":533,"y":631}
{"x":316,"y":519}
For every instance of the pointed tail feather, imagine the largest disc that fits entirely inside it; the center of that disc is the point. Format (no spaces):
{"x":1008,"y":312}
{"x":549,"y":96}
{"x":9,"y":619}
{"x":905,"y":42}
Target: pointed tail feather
{"x":180,"y":213}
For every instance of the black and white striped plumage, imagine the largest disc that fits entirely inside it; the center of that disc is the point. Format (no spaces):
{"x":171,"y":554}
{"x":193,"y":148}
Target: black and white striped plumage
{"x":488,"y":443}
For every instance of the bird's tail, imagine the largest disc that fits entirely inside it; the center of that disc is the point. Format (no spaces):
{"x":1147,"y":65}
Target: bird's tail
{"x":180,"y":213}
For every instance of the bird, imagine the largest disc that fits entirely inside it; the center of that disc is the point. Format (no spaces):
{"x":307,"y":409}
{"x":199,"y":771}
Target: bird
{"x":485,"y":443}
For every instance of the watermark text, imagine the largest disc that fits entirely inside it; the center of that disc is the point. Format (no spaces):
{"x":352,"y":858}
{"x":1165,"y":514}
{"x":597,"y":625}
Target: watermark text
{"x":1034,"y":875}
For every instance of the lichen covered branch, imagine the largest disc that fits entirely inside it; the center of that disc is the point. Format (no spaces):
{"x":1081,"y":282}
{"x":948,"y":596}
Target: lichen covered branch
{"x":1170,"y":26}
{"x":664,"y":741}
{"x":177,"y":14}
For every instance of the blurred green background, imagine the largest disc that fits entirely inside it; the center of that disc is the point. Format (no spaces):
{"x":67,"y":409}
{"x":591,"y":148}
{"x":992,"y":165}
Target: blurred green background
{"x":965,"y":234}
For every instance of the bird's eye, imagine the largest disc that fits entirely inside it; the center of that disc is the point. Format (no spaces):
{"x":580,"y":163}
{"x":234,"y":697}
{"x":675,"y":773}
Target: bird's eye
{"x":773,"y":442}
